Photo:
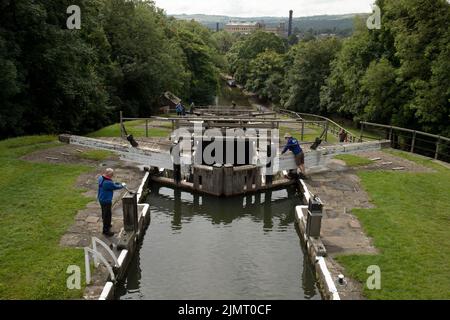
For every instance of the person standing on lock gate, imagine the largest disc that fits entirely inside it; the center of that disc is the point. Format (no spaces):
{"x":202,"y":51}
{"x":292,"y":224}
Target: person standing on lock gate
{"x":293,"y":145}
{"x":106,"y":188}
{"x":342,"y":136}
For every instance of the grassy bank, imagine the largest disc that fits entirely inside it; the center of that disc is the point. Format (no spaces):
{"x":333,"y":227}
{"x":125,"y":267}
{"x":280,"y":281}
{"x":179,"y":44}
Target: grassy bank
{"x":353,"y":161}
{"x":311,"y":133}
{"x":38,"y":204}
{"x":136,"y":128}
{"x":410,"y":226}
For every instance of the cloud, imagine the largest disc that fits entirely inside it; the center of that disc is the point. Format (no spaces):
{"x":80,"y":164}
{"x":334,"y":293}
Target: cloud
{"x":253,"y":8}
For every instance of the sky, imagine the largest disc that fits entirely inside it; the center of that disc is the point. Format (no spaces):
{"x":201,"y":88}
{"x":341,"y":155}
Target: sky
{"x":258,"y":8}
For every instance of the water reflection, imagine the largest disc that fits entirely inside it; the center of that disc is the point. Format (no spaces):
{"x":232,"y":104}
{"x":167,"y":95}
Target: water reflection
{"x":260,"y":207}
{"x":227,"y":95}
{"x":201,"y":247}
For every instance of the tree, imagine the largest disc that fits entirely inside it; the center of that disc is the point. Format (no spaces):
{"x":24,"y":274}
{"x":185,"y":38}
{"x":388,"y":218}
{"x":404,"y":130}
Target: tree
{"x":10,"y":84}
{"x":396,"y":75}
{"x":421,"y":34}
{"x":242,"y":52}
{"x":224,"y":41}
{"x":266,"y":75}
{"x":148,"y":62}
{"x":199,"y":59}
{"x":306,"y":73}
{"x":126,"y":55}
{"x":379,"y":85}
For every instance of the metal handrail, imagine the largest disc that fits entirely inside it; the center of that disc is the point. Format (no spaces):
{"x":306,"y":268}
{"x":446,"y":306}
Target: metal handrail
{"x":406,"y":130}
{"x":350,"y":136}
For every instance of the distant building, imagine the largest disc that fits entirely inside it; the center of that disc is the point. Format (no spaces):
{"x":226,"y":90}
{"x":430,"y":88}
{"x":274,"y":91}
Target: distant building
{"x":250,"y":27}
{"x":280,"y":30}
{"x":325,"y":35}
{"x":243,"y":27}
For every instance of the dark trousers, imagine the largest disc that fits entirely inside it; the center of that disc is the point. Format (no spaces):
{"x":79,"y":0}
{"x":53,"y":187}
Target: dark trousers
{"x":106,"y":216}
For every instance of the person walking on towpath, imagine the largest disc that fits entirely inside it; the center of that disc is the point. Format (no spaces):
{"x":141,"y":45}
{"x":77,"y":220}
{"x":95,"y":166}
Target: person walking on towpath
{"x":106,"y":187}
{"x":293,"y":145}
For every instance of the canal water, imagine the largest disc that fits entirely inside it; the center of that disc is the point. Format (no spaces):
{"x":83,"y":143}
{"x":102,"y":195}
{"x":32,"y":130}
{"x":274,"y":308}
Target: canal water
{"x":201,"y":247}
{"x":227,"y":95}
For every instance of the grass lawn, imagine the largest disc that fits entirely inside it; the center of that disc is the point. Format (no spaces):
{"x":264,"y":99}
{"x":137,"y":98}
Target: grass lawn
{"x":311,"y":133}
{"x":353,"y":161}
{"x":410,"y":226}
{"x":96,"y":155}
{"x":136,"y":128}
{"x":368,"y":135}
{"x":38,"y":204}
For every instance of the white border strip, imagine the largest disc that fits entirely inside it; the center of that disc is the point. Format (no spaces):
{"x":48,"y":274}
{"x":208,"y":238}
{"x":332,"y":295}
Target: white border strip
{"x":329,"y":281}
{"x":145,"y":208}
{"x":107,"y":289}
{"x":141,"y":187}
{"x":122,"y":257}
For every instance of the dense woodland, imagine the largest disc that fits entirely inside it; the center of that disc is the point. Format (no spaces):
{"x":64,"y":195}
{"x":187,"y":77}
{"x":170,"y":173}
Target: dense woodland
{"x":128,"y":53}
{"x":398,"y":75}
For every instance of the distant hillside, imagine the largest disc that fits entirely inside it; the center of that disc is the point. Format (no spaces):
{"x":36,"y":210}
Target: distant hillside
{"x":341,"y":24}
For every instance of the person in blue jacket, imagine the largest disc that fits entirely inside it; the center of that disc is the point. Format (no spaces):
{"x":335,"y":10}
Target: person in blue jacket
{"x":105,"y":194}
{"x":179,"y":109}
{"x":293,"y":145}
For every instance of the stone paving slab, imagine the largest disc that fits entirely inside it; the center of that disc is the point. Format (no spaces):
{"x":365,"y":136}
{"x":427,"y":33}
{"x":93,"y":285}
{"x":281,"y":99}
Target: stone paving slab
{"x":341,"y":192}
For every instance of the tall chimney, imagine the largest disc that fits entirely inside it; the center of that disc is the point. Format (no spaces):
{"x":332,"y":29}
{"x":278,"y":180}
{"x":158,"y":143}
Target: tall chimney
{"x":290,"y":22}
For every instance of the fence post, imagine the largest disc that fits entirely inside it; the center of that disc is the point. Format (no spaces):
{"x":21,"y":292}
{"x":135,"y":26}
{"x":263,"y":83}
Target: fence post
{"x":121,"y":125}
{"x":362,"y":131}
{"x":326,"y":131}
{"x":303,"y":130}
{"x":437,"y":148}
{"x":146,"y":128}
{"x":413,"y":142}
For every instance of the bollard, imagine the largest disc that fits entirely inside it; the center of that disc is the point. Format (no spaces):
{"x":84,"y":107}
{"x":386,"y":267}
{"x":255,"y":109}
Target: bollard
{"x":269,"y":165}
{"x":177,"y":173}
{"x":216,"y":186}
{"x":314,"y":219}
{"x":176,"y":160}
{"x":130,"y":212}
{"x":228,"y":180}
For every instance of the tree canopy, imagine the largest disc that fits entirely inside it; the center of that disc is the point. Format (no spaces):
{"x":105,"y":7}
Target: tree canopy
{"x":124,"y":57}
{"x":248,"y":48}
{"x":396,"y":75}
